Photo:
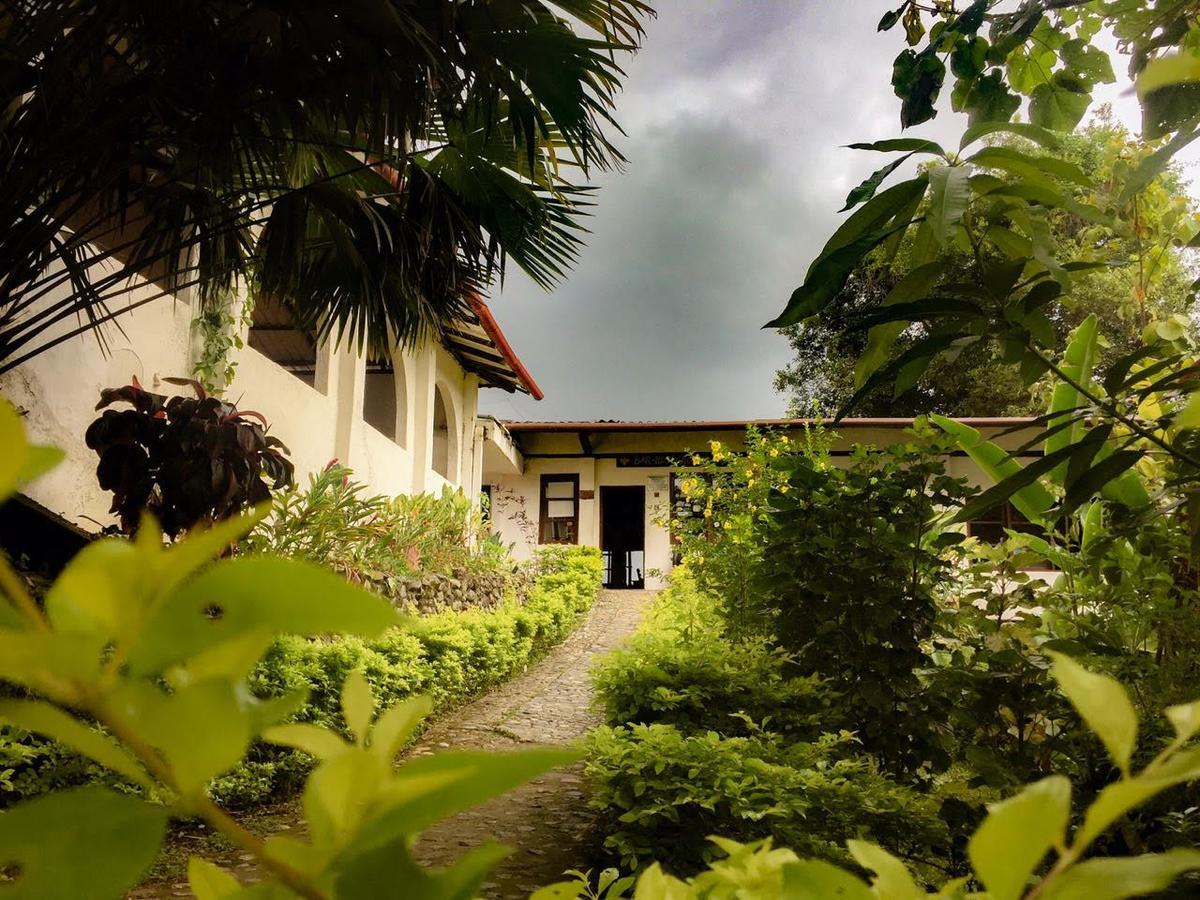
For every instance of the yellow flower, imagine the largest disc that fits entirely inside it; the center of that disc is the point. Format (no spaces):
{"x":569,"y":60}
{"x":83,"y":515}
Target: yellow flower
{"x":774,"y":451}
{"x":708,"y":512}
{"x":696,"y":461}
{"x":783,"y":489}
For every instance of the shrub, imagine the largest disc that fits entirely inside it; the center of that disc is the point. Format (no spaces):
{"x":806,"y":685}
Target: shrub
{"x":850,"y":564}
{"x":373,"y":540}
{"x":448,"y":657}
{"x":187,"y":460}
{"x":679,"y":670}
{"x":663,"y":792}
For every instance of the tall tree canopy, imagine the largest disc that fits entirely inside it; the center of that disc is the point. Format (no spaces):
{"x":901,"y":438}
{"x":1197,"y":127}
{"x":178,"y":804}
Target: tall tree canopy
{"x":1151,"y":283}
{"x":370,"y":164}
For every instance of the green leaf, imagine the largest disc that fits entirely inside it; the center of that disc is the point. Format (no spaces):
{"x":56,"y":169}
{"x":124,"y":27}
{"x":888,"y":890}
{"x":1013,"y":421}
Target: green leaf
{"x":312,"y":739}
{"x":916,"y":284}
{"x":1155,"y":164}
{"x":892,"y":879}
{"x":388,"y":872}
{"x":202,"y":545}
{"x":1185,"y":719}
{"x":1168,"y":71}
{"x":20,"y":461}
{"x":358,"y":705}
{"x":1087,"y":61}
{"x":1117,"y":879}
{"x":52,"y":722}
{"x":948,"y":193}
{"x":1107,"y":470}
{"x":1029,"y":67}
{"x":83,"y":842}
{"x":1017,"y":834}
{"x":986,"y":99}
{"x":201,"y":730}
{"x":99,"y":591}
{"x":1030,"y":132}
{"x":469,"y":778}
{"x":916,"y":80}
{"x":1060,"y":103}
{"x":1103,"y":704}
{"x":209,"y":881}
{"x":253,"y":594}
{"x":47,"y":661}
{"x":397,"y":724}
{"x":1033,"y":168}
{"x":1077,"y":364}
{"x":813,"y":878}
{"x":866,"y":190}
{"x":1033,"y":500}
{"x":911,"y":145}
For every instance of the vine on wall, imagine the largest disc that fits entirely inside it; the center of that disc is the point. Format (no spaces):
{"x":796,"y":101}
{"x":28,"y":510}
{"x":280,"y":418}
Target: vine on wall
{"x":220,"y":329}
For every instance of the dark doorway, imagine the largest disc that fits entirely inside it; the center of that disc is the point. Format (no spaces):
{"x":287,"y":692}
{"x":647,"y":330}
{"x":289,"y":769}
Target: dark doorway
{"x":623,"y":536}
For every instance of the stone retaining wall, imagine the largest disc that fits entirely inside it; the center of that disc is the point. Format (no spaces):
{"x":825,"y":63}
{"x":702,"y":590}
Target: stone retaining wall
{"x":460,"y":591}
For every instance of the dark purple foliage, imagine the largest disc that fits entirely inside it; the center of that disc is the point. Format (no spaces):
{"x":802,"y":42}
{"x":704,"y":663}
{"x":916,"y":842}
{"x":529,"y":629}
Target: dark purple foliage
{"x":188,"y":460}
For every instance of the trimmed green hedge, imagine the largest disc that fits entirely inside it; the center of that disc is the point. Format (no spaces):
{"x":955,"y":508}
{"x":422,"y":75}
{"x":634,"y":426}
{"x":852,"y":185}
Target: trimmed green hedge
{"x":708,"y":735}
{"x":450,"y":656}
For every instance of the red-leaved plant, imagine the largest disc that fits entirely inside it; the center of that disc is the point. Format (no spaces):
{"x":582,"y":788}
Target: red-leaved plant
{"x":188,"y":460}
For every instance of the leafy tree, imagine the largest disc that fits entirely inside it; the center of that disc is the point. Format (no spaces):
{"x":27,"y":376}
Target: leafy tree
{"x":995,"y":205}
{"x":370,"y":165}
{"x":976,"y":381}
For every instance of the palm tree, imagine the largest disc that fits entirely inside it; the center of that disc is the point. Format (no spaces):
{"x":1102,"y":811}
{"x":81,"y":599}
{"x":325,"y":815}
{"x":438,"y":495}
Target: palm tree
{"x":370,"y":163}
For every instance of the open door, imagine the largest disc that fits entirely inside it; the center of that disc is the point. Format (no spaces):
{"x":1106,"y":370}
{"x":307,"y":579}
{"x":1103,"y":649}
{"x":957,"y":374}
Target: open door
{"x":623,"y":536}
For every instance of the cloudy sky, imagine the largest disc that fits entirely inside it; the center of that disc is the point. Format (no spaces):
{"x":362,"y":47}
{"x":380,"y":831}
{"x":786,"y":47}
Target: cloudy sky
{"x":736,"y":112}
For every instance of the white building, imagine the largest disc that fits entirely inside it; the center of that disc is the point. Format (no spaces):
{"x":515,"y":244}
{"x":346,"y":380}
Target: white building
{"x":611,"y":484}
{"x":404,"y":425}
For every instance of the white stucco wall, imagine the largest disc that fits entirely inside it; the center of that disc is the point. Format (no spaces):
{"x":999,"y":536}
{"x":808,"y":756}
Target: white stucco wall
{"x":516,"y":494}
{"x":58,"y":391}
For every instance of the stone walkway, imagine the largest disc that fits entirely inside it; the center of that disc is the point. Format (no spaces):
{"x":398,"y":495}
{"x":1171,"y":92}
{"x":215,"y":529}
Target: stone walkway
{"x":546,"y":822}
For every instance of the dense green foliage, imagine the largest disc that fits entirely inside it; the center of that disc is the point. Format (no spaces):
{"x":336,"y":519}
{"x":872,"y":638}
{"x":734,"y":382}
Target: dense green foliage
{"x":447,"y":657}
{"x":976,"y":381}
{"x":708,"y":735}
{"x":370,"y":168}
{"x":144,"y":658}
{"x":187,"y":460}
{"x":373,"y":540}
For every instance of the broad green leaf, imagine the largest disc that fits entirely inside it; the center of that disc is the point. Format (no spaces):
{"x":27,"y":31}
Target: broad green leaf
{"x":948,"y":194}
{"x":1087,"y":61}
{"x":1119,"y":878}
{"x":1155,"y":164}
{"x":892,"y":879}
{"x":866,"y":190}
{"x":1033,"y":133}
{"x":209,"y":881}
{"x":1093,"y":524}
{"x":1077,"y":363}
{"x":1167,"y":71}
{"x":1029,"y":67}
{"x":1103,"y":704}
{"x":469,"y":778}
{"x":312,"y":739}
{"x":1017,"y":834}
{"x":202,"y":545}
{"x":1113,"y":802}
{"x":20,"y":461}
{"x":388,"y":872}
{"x":358,"y":705}
{"x":48,"y":662}
{"x":234,"y":659}
{"x":1185,"y":719}
{"x":201,"y":730}
{"x":253,"y":594}
{"x":916,"y":284}
{"x":912,"y":145}
{"x":99,"y":591}
{"x":52,"y":722}
{"x":1060,"y":103}
{"x":83,"y":842}
{"x":396,"y":725}
{"x":813,"y":879}
{"x":1033,"y":500}
{"x":1034,"y":168}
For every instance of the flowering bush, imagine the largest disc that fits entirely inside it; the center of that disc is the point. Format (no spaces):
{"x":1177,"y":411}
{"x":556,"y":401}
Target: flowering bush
{"x":722,"y":502}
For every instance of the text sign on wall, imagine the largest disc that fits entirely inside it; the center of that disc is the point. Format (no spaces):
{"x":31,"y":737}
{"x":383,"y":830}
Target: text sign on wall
{"x":652,"y":460}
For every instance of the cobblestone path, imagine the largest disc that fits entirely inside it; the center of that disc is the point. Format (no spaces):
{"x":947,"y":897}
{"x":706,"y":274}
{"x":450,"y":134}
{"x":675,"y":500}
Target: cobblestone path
{"x":546,"y":821}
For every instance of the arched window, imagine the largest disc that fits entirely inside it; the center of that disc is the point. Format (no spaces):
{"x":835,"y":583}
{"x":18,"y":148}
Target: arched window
{"x":385,"y":400}
{"x":445,"y":434}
